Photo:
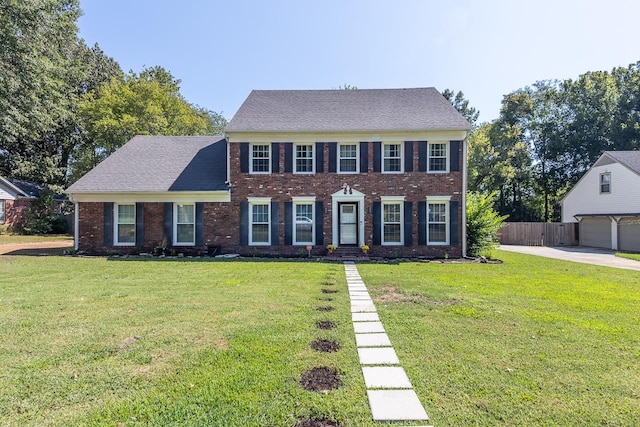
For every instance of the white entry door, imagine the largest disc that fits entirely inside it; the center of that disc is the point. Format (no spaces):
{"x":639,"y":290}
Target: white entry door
{"x":348,"y":224}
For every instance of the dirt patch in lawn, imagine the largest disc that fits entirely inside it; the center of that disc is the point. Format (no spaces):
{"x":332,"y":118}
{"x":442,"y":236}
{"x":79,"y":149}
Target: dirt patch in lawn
{"x":329,"y":291}
{"x":37,"y":248}
{"x":325,"y":346}
{"x":325,"y":324}
{"x":325,"y":308}
{"x":328,"y":284}
{"x":325,"y":299}
{"x":321,"y":379}
{"x":127,"y":342}
{"x":317,"y":423}
{"x":391,"y":294}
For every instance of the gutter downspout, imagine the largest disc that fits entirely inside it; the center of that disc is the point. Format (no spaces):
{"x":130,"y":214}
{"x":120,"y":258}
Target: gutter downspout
{"x":76,"y":224}
{"x":464,"y":195}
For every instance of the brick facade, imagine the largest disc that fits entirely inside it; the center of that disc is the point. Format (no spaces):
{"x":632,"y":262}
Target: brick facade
{"x":16,"y":212}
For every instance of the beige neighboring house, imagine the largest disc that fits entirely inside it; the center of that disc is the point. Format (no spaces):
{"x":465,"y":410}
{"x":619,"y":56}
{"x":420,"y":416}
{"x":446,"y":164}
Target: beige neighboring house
{"x":606,"y":202}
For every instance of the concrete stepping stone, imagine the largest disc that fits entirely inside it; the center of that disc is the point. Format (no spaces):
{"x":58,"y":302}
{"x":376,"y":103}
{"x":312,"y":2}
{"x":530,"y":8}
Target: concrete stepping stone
{"x":378,"y":356}
{"x":363,"y":308}
{"x":372,"y":340}
{"x":385,"y":377}
{"x":365,"y":317}
{"x":367,"y":327}
{"x":396,"y":405}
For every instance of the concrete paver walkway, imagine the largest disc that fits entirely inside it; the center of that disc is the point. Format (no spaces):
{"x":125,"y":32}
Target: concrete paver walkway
{"x":595,"y":256}
{"x":391,"y":395}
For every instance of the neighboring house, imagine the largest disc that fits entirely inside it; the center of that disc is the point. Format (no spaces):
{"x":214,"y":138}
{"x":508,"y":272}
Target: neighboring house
{"x":606,"y":202}
{"x":297,"y":168}
{"x":16,"y":196}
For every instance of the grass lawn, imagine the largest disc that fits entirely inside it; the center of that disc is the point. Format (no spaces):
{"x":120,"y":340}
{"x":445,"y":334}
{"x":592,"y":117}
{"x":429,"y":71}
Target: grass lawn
{"x":628,"y":255}
{"x":6,"y":239}
{"x":533,"y":341}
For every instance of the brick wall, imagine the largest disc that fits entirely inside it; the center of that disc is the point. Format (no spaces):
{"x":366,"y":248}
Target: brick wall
{"x":16,"y":212}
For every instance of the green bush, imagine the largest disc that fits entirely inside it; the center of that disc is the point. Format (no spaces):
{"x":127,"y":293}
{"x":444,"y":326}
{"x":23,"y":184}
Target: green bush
{"x":483,"y":223}
{"x":43,"y":217}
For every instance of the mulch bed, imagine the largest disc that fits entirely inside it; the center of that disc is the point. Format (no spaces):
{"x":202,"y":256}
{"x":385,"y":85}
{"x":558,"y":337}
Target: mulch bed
{"x":325,"y":324}
{"x":329,"y":291}
{"x":329,"y":284}
{"x":325,"y":308}
{"x":317,"y":423}
{"x":326,"y":346}
{"x":320,"y":379}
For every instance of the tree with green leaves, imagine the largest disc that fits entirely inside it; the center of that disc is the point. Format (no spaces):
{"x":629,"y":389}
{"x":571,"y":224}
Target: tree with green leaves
{"x":148,"y":103}
{"x":462,"y":105}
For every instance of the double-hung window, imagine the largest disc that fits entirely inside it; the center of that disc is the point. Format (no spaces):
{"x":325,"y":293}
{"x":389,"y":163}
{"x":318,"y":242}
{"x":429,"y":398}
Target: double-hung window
{"x":303,"y":158}
{"x":259,"y":221}
{"x":437,"y":157}
{"x":304,"y":222}
{"x":392,"y":215}
{"x":605,"y":183}
{"x":392,"y":157}
{"x":2,"y":212}
{"x":438,"y":220}
{"x":348,"y":158}
{"x":184,"y":230}
{"x":125,"y":224}
{"x":260,"y":158}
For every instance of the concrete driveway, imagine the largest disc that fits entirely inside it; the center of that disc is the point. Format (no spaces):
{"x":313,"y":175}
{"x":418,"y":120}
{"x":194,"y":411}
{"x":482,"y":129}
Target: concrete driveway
{"x":582,"y":254}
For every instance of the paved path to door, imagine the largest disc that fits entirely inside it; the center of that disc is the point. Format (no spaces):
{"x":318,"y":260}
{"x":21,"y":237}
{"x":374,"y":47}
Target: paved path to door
{"x":390,"y":393}
{"x":581,"y":254}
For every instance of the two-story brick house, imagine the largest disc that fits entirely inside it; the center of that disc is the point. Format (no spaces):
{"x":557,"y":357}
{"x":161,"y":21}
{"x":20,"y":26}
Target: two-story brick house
{"x":383,"y":168}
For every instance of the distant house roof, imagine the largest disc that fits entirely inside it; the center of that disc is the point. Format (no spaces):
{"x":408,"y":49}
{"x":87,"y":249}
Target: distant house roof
{"x":346,"y":110}
{"x":630,"y":159}
{"x":160,"y":164}
{"x":25,"y":189}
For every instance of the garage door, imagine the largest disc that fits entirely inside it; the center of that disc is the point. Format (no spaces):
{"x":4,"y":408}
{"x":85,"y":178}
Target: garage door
{"x":595,"y":232}
{"x":629,"y":234}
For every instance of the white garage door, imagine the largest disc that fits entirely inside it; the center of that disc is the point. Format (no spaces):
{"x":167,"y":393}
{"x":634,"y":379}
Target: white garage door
{"x":629,"y":234}
{"x":595,"y":232}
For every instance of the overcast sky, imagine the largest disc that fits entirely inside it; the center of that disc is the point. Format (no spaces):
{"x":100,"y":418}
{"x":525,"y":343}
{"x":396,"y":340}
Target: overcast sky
{"x":221,"y":50}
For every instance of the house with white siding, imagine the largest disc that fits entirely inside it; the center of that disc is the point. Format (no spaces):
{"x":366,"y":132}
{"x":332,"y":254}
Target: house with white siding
{"x":606,"y":202}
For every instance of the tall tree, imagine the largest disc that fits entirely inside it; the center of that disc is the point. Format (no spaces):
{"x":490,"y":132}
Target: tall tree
{"x":462,"y":105}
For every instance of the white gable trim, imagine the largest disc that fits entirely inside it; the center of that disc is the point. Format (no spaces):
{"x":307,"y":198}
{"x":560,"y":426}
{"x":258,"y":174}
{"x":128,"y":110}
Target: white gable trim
{"x":177,"y":197}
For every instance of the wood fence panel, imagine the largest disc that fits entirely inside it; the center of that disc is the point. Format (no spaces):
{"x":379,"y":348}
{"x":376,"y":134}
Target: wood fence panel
{"x":539,"y":234}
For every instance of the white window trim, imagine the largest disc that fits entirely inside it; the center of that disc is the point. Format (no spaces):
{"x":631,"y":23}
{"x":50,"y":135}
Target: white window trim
{"x":357,"y":158}
{"x":116,"y":223}
{"x":401,"y":144}
{"x":392,"y":200}
{"x":447,"y":156}
{"x":313,"y":158}
{"x":3,"y":209}
{"x":439,"y":200}
{"x":297,"y":200}
{"x":251,"y":158}
{"x":175,"y":225}
{"x":259,"y":201}
{"x":600,"y":182}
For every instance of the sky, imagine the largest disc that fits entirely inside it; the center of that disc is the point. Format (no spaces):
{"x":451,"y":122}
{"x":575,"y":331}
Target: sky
{"x":221,"y":50}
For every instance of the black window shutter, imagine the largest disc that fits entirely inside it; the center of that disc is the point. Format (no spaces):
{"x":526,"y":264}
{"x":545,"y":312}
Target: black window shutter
{"x":288,"y":157}
{"x":288,"y":223}
{"x":139,"y":224}
{"x":244,"y":157}
{"x":168,"y":222}
{"x":422,"y":156}
{"x":319,"y":157}
{"x":422,"y":223}
{"x":275,"y":224}
{"x":364,"y":157}
{"x":319,"y":224}
{"x":108,"y":223}
{"x":199,"y":224}
{"x":408,"y":156}
{"x":453,"y":222}
{"x":333,"y":153}
{"x":244,"y":223}
{"x":408,"y":223}
{"x":377,"y":223}
{"x":275,"y":157}
{"x":454,"y":152}
{"x":377,"y":156}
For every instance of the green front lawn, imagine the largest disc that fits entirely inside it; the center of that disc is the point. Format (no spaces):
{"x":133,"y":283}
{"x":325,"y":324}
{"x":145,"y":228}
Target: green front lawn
{"x":533,"y":341}
{"x":633,"y":256}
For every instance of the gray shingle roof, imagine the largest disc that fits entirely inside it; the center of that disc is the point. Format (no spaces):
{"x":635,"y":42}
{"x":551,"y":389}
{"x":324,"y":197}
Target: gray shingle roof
{"x":346,"y":110}
{"x":630,"y":159}
{"x":159,"y":164}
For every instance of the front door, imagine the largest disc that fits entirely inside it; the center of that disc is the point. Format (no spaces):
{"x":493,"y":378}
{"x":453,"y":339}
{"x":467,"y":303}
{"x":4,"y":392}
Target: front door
{"x":348,"y":224}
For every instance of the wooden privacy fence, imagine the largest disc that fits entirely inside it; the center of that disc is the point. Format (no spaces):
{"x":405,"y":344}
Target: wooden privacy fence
{"x":539,"y":233}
